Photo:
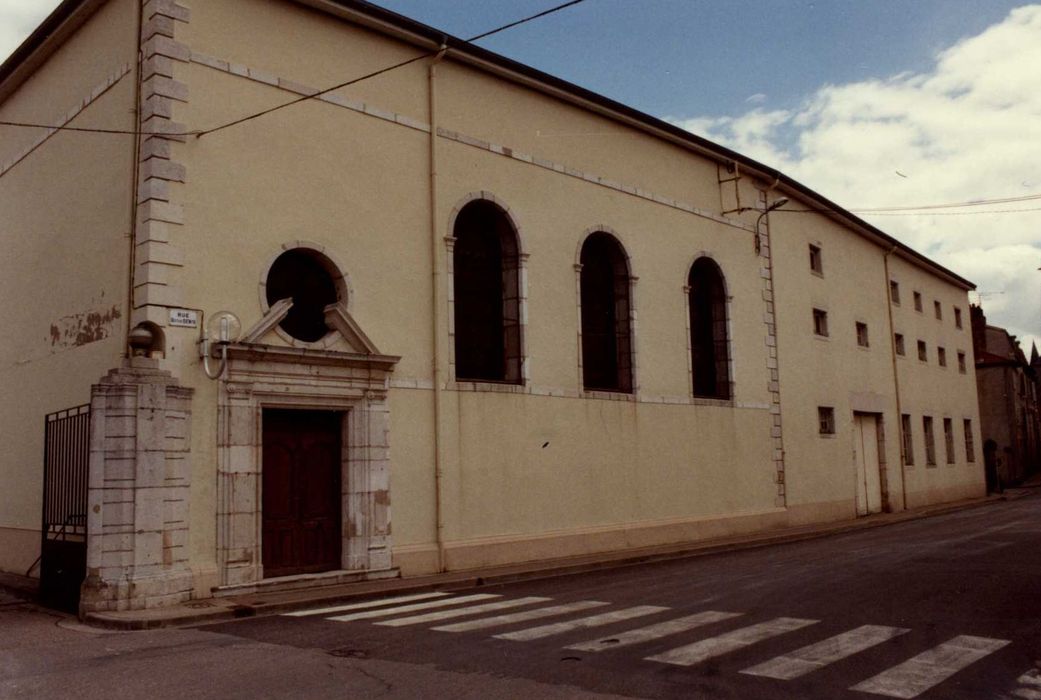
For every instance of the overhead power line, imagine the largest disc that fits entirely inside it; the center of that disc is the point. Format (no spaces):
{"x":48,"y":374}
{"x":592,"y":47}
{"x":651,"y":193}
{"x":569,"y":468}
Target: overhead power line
{"x":353,"y":81}
{"x":953,"y":205}
{"x":951,"y":213}
{"x":929,"y":209}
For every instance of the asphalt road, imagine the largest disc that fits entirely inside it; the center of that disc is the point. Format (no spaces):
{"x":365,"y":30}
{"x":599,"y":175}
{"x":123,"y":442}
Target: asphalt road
{"x":944,"y":607}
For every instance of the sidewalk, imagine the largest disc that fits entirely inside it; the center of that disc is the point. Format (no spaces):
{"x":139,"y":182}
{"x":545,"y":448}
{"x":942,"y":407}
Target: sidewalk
{"x":248,"y":605}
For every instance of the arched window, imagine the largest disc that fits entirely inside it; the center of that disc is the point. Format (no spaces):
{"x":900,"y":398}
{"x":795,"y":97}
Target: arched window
{"x":607,"y":363}
{"x":487,"y":295}
{"x":710,"y":360}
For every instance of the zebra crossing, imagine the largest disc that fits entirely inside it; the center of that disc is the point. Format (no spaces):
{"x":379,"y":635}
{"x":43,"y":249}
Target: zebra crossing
{"x":907,"y":679}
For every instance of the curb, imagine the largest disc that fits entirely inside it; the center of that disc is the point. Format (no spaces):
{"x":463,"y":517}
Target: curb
{"x":215,"y":610}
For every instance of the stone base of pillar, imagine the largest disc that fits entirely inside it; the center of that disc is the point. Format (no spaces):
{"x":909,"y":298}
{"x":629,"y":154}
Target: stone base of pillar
{"x":135,"y":592}
{"x":138,"y":495}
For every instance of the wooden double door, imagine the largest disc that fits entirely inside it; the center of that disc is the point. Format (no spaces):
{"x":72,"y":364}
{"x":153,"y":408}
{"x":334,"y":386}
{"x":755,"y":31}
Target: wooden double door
{"x":301,"y":505}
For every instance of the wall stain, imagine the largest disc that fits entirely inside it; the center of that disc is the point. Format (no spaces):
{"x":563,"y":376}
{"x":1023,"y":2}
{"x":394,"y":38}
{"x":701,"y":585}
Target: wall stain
{"x":83,"y":328}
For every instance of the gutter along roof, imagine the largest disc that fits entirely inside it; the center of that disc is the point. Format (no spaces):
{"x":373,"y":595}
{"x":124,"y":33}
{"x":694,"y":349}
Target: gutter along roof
{"x":52,"y":32}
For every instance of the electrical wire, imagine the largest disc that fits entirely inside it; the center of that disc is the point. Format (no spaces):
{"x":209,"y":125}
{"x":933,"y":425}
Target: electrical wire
{"x":950,"y":213}
{"x":255,"y":115}
{"x":970,"y":203}
{"x":84,"y":129}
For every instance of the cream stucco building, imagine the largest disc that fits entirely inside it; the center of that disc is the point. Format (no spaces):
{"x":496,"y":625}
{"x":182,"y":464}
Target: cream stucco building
{"x":468,"y":337}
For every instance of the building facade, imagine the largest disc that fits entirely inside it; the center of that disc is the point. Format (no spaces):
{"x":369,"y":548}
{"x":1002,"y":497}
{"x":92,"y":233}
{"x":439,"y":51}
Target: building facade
{"x":1008,"y":389}
{"x":523,"y":344}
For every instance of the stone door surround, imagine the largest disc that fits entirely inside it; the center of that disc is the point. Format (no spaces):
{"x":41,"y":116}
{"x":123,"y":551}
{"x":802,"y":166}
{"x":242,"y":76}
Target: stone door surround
{"x":265,"y":376}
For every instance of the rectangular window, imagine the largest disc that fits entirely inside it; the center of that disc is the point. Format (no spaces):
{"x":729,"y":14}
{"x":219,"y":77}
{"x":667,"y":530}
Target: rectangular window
{"x":894,"y":292}
{"x":957,"y":317}
{"x":961,"y":362}
{"x":816,"y":264}
{"x":923,"y":354}
{"x":862,"y":336}
{"x":970,"y":448}
{"x":826,"y":420}
{"x":820,"y":322}
{"x":941,"y":356}
{"x":917,"y":301}
{"x":930,"y":444}
{"x":898,"y":341}
{"x":948,"y":439}
{"x":938,"y":310}
{"x":905,"y":435}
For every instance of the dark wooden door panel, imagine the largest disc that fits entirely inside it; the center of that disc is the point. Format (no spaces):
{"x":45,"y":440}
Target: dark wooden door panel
{"x":301,"y":481}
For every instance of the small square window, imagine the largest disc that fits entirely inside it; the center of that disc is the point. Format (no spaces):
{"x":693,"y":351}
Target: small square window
{"x":898,"y":341}
{"x":938,"y":310}
{"x":961,"y":362}
{"x":816,"y":264}
{"x":923,"y":354}
{"x":917,"y":301}
{"x":957,"y":317}
{"x":820,"y":322}
{"x":862,"y":336}
{"x":941,"y":356}
{"x":894,"y":292}
{"x":826,"y":420}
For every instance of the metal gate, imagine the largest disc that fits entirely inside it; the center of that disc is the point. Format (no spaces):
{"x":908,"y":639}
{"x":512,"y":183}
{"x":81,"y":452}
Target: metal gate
{"x":63,"y":546}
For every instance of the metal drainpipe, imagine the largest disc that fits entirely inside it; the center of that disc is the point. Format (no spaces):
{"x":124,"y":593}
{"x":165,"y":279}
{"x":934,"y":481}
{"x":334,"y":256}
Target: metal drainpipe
{"x":435,"y":249}
{"x":896,"y":378}
{"x":135,"y":171}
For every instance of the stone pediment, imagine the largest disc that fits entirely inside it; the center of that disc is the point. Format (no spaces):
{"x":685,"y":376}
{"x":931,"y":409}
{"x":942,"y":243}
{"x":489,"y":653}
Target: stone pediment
{"x":345,"y":340}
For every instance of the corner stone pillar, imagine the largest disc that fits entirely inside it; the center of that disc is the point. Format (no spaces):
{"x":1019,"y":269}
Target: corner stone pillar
{"x":138,"y":493}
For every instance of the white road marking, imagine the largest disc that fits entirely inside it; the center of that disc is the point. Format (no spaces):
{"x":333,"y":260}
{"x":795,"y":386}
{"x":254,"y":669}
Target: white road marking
{"x":918,"y":674}
{"x":443,"y":602}
{"x":662,"y":629}
{"x":810,"y":658}
{"x":530,"y":633}
{"x":524,"y":616}
{"x":366,"y":604}
{"x":460,"y":612}
{"x":1027,"y":693}
{"x":731,"y":641}
{"x":1031,"y":677}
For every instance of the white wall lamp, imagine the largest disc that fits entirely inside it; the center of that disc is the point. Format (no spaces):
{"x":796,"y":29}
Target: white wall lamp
{"x":222,"y":330}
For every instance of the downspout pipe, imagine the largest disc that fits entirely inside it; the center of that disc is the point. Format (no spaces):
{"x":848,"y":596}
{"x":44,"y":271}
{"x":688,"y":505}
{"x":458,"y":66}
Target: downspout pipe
{"x":896,"y":376}
{"x":135,"y":174}
{"x":436,"y":248}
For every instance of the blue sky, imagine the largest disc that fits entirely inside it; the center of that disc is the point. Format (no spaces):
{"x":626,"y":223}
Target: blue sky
{"x":874,"y":103}
{"x":687,"y":57}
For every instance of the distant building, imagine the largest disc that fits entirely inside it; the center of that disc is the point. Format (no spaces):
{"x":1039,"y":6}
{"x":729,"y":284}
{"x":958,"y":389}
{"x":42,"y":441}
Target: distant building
{"x":1008,"y":391}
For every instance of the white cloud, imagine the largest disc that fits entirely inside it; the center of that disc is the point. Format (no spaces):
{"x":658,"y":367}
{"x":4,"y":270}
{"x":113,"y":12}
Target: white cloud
{"x":968,"y":129}
{"x":756,"y":99}
{"x":18,"y":18}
